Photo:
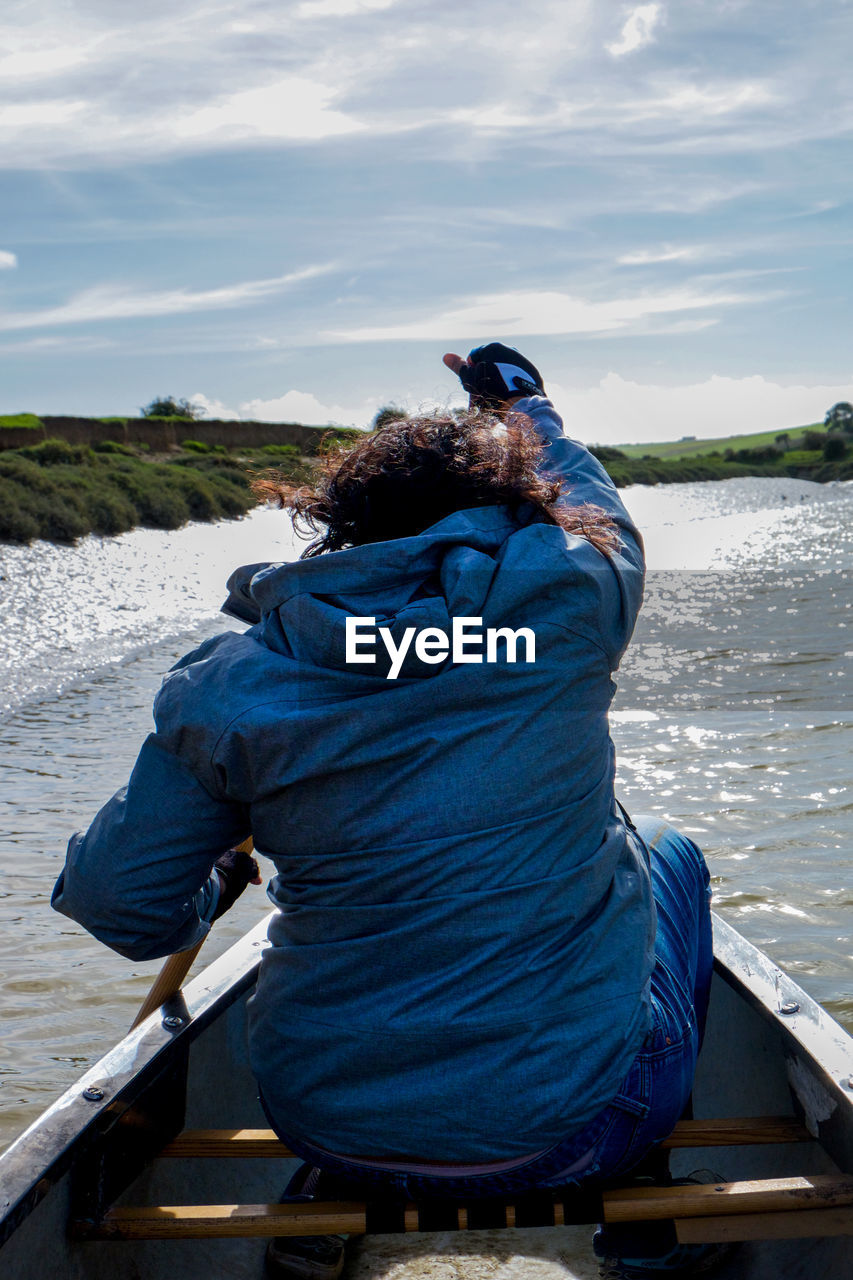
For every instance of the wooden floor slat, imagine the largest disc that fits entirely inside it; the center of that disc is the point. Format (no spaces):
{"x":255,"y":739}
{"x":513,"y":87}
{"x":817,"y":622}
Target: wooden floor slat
{"x":767,"y":1195}
{"x":766,"y":1226}
{"x":783,"y":1199}
{"x":263,"y":1143}
{"x":259,"y":1144}
{"x":193,"y":1221}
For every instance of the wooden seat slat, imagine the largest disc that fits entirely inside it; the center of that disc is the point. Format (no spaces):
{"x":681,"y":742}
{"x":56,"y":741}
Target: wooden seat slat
{"x":263,"y":1143}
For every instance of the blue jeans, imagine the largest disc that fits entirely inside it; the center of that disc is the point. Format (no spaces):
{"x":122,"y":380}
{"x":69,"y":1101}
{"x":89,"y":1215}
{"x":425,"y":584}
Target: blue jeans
{"x":655,"y":1091}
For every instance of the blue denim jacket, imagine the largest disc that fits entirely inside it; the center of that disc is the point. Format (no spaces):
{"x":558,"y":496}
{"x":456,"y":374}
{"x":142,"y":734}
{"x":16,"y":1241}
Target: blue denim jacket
{"x":461,"y":955}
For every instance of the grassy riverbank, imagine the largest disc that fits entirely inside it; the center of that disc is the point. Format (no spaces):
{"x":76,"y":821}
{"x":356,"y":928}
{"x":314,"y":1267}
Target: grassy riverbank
{"x":61,"y":491}
{"x":800,"y":464}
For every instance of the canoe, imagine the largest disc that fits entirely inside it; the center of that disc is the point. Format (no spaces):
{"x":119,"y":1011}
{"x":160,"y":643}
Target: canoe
{"x":775,"y":1080}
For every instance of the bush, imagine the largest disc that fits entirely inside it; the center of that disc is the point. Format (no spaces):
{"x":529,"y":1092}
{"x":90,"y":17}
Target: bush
{"x":326,"y":441}
{"x":16,"y":524}
{"x":50,"y":453}
{"x":605,"y":454}
{"x":198,"y":495}
{"x":835,"y":448}
{"x":282,"y":450}
{"x":113,"y":446}
{"x":195,"y":446}
{"x":110,"y":513}
{"x":169,"y":407}
{"x":812,"y":440}
{"x":387,"y":414}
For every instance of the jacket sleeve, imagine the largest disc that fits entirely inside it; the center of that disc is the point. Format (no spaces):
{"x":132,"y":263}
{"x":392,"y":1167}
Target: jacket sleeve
{"x":140,"y":878}
{"x":614,"y":582}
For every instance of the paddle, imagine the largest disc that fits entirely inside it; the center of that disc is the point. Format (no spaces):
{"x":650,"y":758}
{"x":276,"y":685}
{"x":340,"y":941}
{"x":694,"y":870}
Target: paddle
{"x":171,"y":977}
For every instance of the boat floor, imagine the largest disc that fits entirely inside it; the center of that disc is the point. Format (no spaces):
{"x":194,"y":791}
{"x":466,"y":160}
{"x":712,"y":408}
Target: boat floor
{"x":561,"y":1253}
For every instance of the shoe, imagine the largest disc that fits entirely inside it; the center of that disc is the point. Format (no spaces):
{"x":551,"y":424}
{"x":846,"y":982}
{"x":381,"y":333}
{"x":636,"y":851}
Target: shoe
{"x":304,"y":1257}
{"x":644,"y":1250}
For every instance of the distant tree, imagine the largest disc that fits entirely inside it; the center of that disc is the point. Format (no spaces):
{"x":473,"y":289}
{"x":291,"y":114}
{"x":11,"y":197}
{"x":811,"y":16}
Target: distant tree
{"x":169,"y":407}
{"x":758,"y":453}
{"x":783,"y":440}
{"x":840,"y":417}
{"x":813,"y":440}
{"x":835,"y":447}
{"x":388,"y":413}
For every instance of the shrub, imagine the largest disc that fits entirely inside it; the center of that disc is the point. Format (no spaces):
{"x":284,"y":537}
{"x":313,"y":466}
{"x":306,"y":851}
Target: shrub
{"x":16,"y":523}
{"x":111,"y":512}
{"x":169,"y":407}
{"x":195,"y":446}
{"x":50,"y":453}
{"x":835,"y":448}
{"x":605,"y":454}
{"x":198,"y":495}
{"x":113,"y":446}
{"x":388,"y":413}
{"x":323,"y":442}
{"x":157,"y":503}
{"x":282,"y":450}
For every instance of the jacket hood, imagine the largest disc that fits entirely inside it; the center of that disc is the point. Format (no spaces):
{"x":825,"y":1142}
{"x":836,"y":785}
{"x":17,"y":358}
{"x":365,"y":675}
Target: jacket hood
{"x":301,"y":608}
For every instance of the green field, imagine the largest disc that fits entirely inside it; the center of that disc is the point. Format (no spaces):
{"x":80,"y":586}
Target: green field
{"x":19,"y":420}
{"x":697,"y":448}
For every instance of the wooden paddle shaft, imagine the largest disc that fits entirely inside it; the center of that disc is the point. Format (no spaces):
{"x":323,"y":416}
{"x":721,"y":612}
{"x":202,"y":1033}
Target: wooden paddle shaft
{"x":170,"y":979}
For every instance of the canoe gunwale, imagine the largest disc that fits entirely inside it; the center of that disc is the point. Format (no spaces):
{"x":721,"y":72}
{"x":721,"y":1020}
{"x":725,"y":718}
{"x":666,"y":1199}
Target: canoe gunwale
{"x":818,"y":1051}
{"x":46,"y":1150}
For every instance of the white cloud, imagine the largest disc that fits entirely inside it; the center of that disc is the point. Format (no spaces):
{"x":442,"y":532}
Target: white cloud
{"x":618,"y":411}
{"x":637,"y":31}
{"x":26,"y":115}
{"x":340,"y":8}
{"x":304,"y":406}
{"x":8,"y":261}
{"x":293,"y":108}
{"x":666,"y":253}
{"x":23,"y":63}
{"x":213,"y":408}
{"x":541,"y":312}
{"x":112,"y":302}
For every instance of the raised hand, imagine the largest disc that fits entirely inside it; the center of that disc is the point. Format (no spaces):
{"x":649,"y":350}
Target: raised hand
{"x":494,"y":375}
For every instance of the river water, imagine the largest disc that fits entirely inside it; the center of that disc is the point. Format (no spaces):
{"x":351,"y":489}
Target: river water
{"x":733,"y":717}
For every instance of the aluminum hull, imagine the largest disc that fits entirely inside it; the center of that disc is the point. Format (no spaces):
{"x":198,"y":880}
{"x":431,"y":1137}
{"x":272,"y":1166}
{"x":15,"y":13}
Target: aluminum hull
{"x":757,"y":1060}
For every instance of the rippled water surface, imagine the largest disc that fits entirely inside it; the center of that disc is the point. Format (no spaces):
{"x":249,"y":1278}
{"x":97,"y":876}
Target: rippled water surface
{"x":733,"y":718}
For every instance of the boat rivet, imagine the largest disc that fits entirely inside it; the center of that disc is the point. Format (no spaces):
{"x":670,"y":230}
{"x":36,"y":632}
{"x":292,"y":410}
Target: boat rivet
{"x":93,"y":1094}
{"x":789,"y":1007}
{"x":172,"y":1021}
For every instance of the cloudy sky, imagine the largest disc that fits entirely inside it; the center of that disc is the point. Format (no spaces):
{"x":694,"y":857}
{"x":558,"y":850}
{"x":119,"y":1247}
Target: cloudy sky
{"x":290,"y":210}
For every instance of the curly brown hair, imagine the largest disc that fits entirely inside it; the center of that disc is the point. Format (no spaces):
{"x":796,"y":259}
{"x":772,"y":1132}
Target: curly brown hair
{"x":403,"y":478}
